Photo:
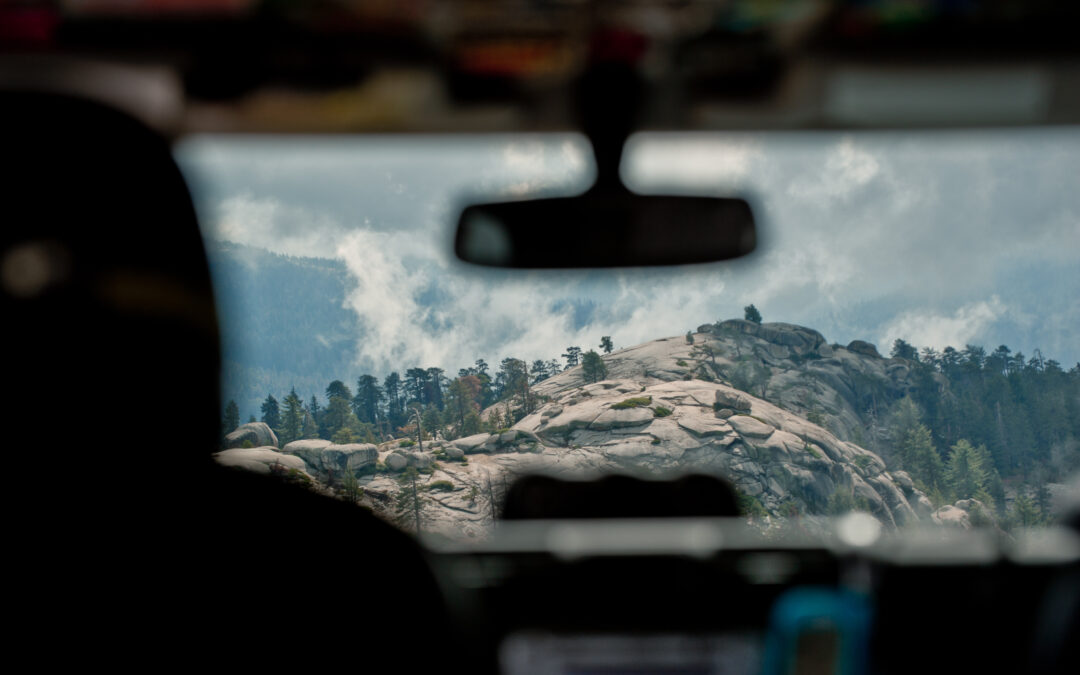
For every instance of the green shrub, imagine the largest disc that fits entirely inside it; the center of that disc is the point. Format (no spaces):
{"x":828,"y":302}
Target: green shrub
{"x":299,"y":476}
{"x":815,"y":417}
{"x":750,"y":505}
{"x":811,"y":451}
{"x":656,"y":441}
{"x":843,"y":500}
{"x":634,"y":402}
{"x":863,"y":462}
{"x":407,"y":443}
{"x":440,"y":486}
{"x":247,"y":444}
{"x":380,"y":467}
{"x":661,"y":411}
{"x":789,"y":508}
{"x":682,"y":363}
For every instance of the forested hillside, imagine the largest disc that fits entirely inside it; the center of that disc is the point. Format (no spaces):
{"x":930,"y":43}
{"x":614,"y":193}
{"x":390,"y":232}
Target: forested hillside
{"x":283,"y":322}
{"x":1021,"y":413}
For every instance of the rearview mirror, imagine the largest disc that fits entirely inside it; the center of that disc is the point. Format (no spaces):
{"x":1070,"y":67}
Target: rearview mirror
{"x":619,"y":229}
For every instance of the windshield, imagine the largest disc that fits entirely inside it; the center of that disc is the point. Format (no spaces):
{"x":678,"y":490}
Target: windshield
{"x":902,"y":342}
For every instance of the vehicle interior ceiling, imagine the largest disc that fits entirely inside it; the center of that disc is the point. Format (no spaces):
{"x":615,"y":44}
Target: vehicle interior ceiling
{"x":112,"y":331}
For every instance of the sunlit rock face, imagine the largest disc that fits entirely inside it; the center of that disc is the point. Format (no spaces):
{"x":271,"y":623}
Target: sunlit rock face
{"x":253,"y":433}
{"x":667,"y":407}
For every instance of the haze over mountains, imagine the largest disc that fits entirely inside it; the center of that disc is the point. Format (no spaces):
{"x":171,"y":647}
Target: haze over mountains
{"x":287,"y":321}
{"x":936,"y":238}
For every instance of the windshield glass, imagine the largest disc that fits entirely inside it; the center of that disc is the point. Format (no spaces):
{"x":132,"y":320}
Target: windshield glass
{"x":901,"y":343}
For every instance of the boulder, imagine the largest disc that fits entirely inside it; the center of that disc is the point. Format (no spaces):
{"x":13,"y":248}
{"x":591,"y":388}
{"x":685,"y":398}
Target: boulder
{"x":800,"y":339}
{"x":627,"y":417}
{"x":396,"y":461}
{"x":864,"y":348}
{"x":262,"y":460}
{"x":732,"y":399}
{"x":259,"y":434}
{"x":903,"y":479}
{"x":978,"y":512}
{"x":701,"y":425}
{"x":454,"y":453}
{"x":471,"y":444}
{"x":953,"y":516}
{"x":421,"y":460}
{"x":748,"y":426}
{"x":353,"y":457}
{"x":309,"y":449}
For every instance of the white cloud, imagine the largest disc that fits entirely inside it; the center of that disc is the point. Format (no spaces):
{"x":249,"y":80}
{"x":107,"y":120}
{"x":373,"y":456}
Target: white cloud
{"x":858,"y":230}
{"x":933,"y":329}
{"x":277,"y":227}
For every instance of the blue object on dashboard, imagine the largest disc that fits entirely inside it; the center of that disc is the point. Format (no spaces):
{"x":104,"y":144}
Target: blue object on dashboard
{"x":819,"y":630}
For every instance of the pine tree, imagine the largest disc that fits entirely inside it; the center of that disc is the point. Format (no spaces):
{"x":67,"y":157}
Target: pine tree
{"x":271,"y":413}
{"x":903,"y":350}
{"x":311,"y":428}
{"x":339,"y":416}
{"x":751,"y":313}
{"x":461,"y":401}
{"x":395,"y":406}
{"x":512,"y":382}
{"x":606,"y":344}
{"x":350,"y":486}
{"x":592,"y":367}
{"x":966,"y":474}
{"x":433,"y":391}
{"x":1025,"y":513}
{"x":367,"y":403}
{"x":232,"y":416}
{"x":410,"y":502}
{"x":572,"y":356}
{"x":539,"y":370}
{"x":292,"y":423}
{"x":339,"y":389}
{"x":915,"y":449}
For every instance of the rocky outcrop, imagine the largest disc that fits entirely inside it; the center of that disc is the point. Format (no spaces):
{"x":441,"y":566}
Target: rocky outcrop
{"x":864,"y":348}
{"x":264,"y":460}
{"x":254,"y":433}
{"x":798,"y":339}
{"x":769,"y":453}
{"x":509,"y":440}
{"x":793,"y":442}
{"x":399,"y":460}
{"x":324,"y":456}
{"x":965,"y":514}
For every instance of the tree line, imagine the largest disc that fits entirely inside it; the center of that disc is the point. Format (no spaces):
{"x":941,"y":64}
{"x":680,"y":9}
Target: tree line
{"x":422,"y":398}
{"x":974,"y":420}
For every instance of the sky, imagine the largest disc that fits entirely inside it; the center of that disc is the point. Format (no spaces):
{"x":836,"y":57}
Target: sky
{"x":938,"y":238}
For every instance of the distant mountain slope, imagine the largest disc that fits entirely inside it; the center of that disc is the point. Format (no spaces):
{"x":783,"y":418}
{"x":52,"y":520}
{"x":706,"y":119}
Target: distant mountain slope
{"x":283,"y":323}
